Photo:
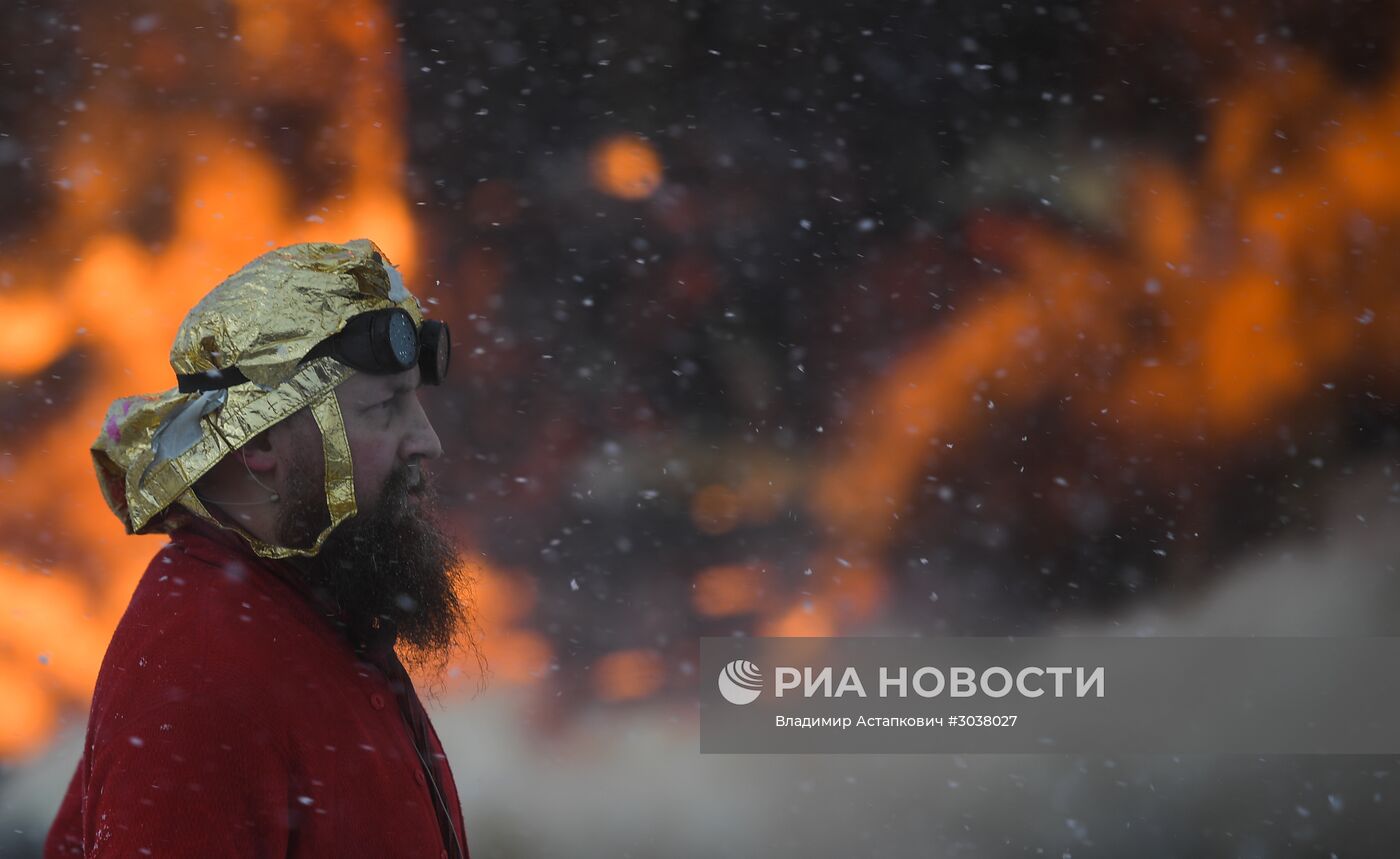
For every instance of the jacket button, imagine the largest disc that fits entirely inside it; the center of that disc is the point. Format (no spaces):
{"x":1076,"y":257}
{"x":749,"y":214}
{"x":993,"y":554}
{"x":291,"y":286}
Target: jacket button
{"x":418,"y":777}
{"x":442,"y":854}
{"x":377,"y":701}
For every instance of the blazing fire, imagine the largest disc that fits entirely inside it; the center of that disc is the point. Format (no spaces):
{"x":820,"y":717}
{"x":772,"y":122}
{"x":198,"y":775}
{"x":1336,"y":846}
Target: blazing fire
{"x":1232,"y":293}
{"x":87,"y":285}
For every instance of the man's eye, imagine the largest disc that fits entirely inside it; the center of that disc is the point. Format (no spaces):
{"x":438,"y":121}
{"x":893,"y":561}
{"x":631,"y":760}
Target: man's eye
{"x":391,"y":401}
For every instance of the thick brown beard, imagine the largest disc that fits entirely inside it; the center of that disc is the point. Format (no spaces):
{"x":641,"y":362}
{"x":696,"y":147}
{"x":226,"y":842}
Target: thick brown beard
{"x":392,"y":561}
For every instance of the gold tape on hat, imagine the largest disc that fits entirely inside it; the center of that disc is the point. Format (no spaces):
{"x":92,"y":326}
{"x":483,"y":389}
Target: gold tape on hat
{"x":340,"y":467}
{"x":340,"y":483}
{"x":249,"y":411}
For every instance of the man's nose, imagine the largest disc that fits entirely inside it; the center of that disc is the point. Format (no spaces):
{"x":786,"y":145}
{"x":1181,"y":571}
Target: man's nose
{"x":422,"y":442}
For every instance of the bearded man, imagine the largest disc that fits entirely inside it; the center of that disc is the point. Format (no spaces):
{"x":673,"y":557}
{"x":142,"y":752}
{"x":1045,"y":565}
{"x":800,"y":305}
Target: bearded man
{"x":251,"y":702}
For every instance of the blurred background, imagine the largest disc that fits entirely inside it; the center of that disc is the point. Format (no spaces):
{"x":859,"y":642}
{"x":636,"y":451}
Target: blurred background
{"x":905,"y":318}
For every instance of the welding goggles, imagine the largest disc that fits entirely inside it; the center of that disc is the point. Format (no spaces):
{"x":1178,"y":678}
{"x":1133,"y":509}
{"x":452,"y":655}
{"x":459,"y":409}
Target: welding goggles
{"x":381,"y":342}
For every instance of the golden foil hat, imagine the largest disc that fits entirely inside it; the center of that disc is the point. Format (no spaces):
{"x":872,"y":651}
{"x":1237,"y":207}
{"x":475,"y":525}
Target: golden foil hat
{"x":261,"y":321}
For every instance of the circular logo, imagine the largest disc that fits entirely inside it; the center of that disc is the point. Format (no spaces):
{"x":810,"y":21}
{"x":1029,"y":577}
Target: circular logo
{"x":740,"y":682}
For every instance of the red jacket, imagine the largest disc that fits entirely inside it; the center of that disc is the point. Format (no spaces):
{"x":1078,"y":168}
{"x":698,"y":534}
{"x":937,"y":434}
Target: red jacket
{"x":232,"y":717}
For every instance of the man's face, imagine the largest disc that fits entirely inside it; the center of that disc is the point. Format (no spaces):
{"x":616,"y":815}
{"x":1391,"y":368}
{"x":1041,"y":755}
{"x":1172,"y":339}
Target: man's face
{"x":392,"y":559}
{"x":387,"y":430}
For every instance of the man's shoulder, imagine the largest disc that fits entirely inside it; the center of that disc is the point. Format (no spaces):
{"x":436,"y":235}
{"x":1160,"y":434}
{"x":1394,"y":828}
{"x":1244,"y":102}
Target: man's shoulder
{"x":199,"y":626}
{"x":195,"y":602}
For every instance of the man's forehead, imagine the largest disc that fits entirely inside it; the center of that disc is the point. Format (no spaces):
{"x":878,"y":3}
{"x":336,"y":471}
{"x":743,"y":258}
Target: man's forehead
{"x":363,"y":384}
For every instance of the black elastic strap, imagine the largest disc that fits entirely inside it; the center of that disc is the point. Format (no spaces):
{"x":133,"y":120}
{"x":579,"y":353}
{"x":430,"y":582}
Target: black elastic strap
{"x":210,"y":380}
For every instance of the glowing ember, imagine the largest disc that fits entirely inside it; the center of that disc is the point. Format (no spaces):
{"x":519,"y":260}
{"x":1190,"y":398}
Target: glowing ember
{"x":715,"y":509}
{"x":627,"y":674}
{"x":626,"y":167}
{"x":729,"y":590}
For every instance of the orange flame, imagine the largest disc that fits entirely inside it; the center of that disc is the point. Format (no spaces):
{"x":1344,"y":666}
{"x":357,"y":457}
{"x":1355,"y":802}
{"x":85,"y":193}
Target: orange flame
{"x":499,"y":603}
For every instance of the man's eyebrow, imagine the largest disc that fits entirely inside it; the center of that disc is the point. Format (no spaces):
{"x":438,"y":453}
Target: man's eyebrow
{"x":395,"y":389}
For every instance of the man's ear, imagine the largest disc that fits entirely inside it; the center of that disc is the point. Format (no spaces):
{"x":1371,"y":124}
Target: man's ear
{"x":258,"y":454}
